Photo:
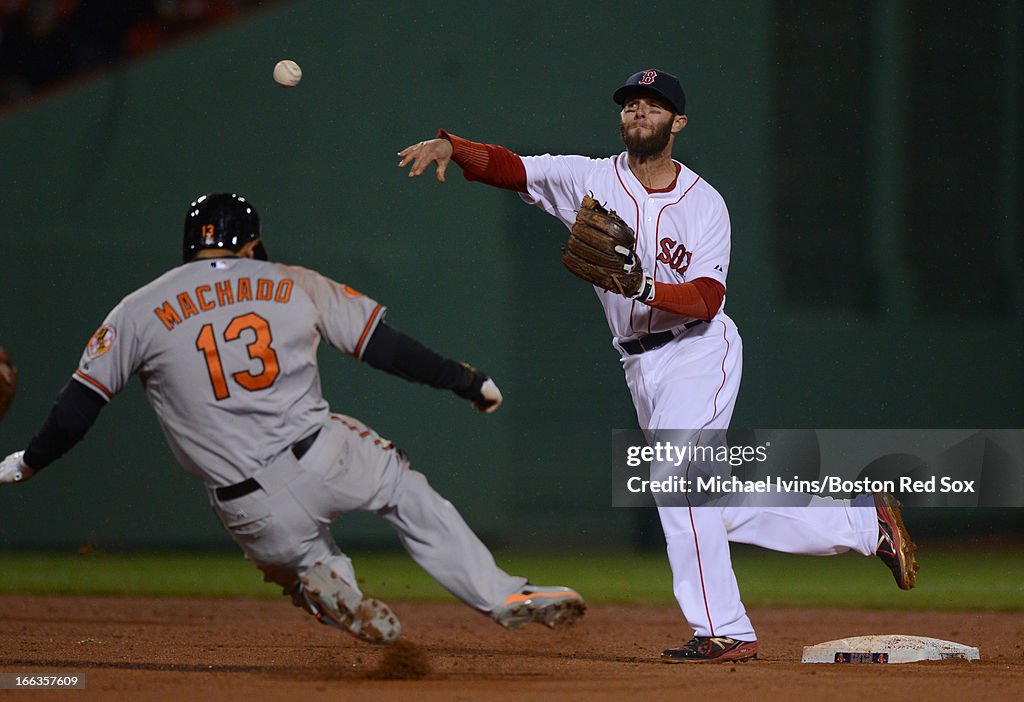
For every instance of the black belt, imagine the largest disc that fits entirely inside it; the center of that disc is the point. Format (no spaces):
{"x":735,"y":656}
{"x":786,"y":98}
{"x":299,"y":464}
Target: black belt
{"x":653,"y":341}
{"x":230,"y":492}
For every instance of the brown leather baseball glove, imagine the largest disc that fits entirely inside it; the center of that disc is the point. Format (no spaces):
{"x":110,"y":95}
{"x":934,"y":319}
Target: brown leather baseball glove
{"x":600,"y":250}
{"x":8,"y":382}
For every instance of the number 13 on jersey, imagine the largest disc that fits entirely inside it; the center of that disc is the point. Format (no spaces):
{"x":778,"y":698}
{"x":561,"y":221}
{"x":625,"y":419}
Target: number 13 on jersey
{"x":259,"y":349}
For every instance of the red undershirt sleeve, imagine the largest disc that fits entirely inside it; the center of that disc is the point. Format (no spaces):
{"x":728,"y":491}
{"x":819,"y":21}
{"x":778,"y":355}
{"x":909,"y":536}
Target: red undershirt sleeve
{"x":701,"y":298}
{"x":487,"y":163}
{"x":495,"y":165}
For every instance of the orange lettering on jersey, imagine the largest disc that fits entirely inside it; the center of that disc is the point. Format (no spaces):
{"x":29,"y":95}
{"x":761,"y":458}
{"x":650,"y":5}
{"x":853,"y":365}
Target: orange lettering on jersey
{"x":350,"y":291}
{"x":244,"y":289}
{"x":204,"y":304}
{"x":188,"y":308}
{"x":227,"y":293}
{"x":284,"y":290}
{"x":224,"y":295}
{"x":264,"y":289}
{"x":168,"y":315}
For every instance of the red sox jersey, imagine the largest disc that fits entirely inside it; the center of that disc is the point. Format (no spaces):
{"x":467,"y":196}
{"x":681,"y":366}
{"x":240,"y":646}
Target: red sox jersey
{"x":681,"y":234}
{"x":221,"y":345}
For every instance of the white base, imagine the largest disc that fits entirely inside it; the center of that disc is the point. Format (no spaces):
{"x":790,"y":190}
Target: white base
{"x":887,"y":648}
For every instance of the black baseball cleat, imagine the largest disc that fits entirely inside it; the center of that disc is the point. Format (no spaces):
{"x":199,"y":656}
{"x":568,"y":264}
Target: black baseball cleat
{"x":894,"y":545}
{"x":711,"y":649}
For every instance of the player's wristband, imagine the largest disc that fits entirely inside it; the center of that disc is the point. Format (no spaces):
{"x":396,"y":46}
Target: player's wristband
{"x":469,"y":385}
{"x":646,"y":291}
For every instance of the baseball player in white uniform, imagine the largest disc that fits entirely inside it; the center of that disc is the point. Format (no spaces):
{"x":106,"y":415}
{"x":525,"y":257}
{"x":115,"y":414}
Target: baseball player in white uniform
{"x":225,"y":346}
{"x":681,"y":353}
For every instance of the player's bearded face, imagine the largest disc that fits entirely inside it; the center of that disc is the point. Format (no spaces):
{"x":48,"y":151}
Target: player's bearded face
{"x":645,"y":138}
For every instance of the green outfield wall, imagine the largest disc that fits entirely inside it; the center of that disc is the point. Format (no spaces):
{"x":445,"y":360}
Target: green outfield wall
{"x":869,"y":154}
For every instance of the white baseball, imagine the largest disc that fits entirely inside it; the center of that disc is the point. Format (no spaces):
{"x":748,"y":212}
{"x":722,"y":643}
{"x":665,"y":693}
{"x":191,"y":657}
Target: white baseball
{"x":287,"y":73}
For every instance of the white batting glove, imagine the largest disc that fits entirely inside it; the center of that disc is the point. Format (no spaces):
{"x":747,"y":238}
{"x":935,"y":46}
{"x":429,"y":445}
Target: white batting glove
{"x":14,"y":470}
{"x":492,"y":397}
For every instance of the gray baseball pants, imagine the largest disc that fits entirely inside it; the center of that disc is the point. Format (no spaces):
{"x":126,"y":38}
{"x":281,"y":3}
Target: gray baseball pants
{"x":284,"y":528}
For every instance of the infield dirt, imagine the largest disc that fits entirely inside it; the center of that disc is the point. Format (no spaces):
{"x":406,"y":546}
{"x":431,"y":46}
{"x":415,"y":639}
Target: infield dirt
{"x":254,"y":650}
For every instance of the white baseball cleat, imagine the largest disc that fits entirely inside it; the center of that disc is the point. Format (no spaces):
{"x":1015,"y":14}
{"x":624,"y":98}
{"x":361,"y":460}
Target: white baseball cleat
{"x":335,"y":603}
{"x":551,"y":605}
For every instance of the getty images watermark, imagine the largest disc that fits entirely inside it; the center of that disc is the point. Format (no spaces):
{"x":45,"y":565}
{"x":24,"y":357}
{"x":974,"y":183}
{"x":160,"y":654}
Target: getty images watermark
{"x":667,"y":453}
{"x":942,"y":468}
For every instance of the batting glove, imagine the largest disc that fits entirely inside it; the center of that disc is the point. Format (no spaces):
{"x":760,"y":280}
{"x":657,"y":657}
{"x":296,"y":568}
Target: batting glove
{"x":490,"y":397}
{"x":478,"y":389}
{"x":14,"y":470}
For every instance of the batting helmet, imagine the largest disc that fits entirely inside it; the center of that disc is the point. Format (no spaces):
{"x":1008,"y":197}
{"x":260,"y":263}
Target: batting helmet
{"x":221,"y":221}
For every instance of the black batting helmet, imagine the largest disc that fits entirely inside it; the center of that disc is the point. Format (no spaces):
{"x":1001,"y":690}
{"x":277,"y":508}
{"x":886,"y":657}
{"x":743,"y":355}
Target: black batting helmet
{"x":220,"y":221}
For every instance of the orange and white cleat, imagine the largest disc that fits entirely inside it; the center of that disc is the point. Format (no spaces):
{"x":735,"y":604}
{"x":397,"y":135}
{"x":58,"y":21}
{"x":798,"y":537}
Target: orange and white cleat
{"x":336,"y":603}
{"x":551,"y":605}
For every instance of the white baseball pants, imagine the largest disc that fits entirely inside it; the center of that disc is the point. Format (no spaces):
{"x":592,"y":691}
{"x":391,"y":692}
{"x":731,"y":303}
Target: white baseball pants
{"x":690,"y":384}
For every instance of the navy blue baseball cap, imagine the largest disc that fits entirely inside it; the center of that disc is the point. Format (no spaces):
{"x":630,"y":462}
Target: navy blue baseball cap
{"x":664,"y":85}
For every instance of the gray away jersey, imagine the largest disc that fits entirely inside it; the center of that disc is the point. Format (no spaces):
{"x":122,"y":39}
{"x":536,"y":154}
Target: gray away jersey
{"x":226,"y":351}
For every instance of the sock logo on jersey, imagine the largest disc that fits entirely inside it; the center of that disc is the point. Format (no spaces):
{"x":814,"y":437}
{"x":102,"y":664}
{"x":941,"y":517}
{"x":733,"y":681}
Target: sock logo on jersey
{"x":674,"y":254}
